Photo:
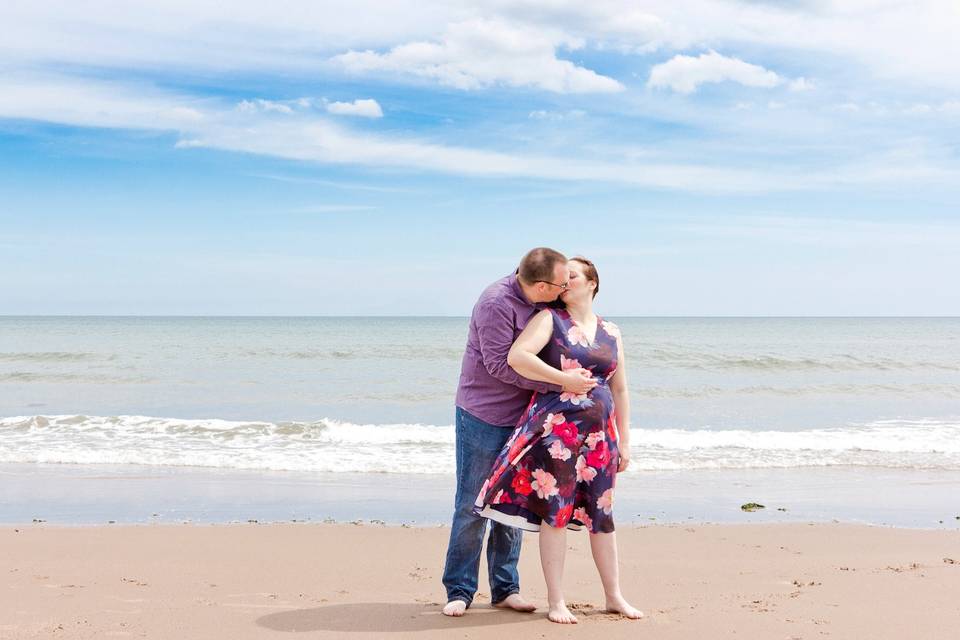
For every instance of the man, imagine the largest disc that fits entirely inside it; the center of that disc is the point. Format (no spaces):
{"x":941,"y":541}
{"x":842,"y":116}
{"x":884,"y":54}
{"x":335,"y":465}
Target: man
{"x":490,"y":401}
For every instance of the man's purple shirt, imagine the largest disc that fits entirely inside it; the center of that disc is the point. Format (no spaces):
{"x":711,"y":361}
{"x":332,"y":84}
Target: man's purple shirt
{"x":489,"y":389}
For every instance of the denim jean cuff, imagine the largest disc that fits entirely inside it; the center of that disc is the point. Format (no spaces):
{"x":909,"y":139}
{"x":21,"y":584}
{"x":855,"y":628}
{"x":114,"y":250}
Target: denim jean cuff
{"x":464,"y":599}
{"x":506,"y":594}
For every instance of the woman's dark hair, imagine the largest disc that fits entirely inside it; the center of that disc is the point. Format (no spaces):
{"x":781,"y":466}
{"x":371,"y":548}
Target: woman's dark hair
{"x":590,"y":271}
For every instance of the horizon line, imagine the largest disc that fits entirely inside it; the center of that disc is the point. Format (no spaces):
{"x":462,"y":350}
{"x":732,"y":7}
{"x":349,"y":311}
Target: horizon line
{"x":322,"y":316}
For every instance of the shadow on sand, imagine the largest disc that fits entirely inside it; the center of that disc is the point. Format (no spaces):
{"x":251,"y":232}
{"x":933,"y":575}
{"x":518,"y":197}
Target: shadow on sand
{"x":387,"y":617}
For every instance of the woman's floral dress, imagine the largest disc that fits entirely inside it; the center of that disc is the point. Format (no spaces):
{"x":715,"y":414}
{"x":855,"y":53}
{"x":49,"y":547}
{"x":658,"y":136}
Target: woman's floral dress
{"x":560,"y":463}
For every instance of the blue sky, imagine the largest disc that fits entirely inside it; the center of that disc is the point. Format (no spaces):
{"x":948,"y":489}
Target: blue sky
{"x":714,"y":158}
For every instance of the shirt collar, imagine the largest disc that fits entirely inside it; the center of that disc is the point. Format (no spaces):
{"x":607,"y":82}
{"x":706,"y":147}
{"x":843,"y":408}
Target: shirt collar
{"x":515,"y":285}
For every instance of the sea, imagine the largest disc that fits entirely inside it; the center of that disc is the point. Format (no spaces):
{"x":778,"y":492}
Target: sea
{"x":372,"y":398}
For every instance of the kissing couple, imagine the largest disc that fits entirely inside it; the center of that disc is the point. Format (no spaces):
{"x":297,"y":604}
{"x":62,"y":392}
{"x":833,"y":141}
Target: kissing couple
{"x":542,"y":429}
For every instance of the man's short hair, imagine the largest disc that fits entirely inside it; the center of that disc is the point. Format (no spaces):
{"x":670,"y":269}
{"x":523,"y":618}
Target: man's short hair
{"x":538,"y":265}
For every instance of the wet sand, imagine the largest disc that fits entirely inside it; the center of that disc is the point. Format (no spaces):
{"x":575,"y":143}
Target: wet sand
{"x":130,"y":494}
{"x":799,"y":580}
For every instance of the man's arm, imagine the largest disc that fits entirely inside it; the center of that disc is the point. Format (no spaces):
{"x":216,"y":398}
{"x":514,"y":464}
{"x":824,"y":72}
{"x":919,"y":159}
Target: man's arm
{"x":524,"y":360}
{"x":495,"y":332}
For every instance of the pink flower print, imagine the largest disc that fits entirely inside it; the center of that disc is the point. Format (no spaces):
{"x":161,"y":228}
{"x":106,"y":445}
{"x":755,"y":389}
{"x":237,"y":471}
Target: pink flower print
{"x":558,"y":451}
{"x":581,"y":515}
{"x":585,"y":473}
{"x":605,"y":501}
{"x":611,"y":328}
{"x":575,"y":336}
{"x":593,"y":438}
{"x":517,"y":447}
{"x":544,"y":484}
{"x":501,"y":498}
{"x":552,"y":419}
{"x":563,"y":515}
{"x":600,"y":456}
{"x":567,"y":431}
{"x":569,"y":363}
{"x":483,"y":491}
{"x":612,"y":371}
{"x":612,"y":426}
{"x":572,"y":398}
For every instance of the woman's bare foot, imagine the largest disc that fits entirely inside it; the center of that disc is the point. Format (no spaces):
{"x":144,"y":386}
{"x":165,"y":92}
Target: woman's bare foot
{"x":560,"y":614}
{"x":455,"y":608}
{"x":617,"y":604}
{"x":516,"y":602}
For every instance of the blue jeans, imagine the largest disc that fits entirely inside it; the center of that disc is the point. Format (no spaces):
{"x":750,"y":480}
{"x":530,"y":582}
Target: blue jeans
{"x":478,"y":445}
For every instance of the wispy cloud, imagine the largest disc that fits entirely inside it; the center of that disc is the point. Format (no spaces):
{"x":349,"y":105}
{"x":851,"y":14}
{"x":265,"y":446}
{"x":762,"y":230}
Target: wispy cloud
{"x":480,"y":53}
{"x":333,"y":208}
{"x":825,"y":231}
{"x":258,"y":104}
{"x":912,"y":41}
{"x":556,"y":116}
{"x":308,"y":136}
{"x":364,"y":108}
{"x":684,"y":74}
{"x":337,"y":184}
{"x":305,"y":136}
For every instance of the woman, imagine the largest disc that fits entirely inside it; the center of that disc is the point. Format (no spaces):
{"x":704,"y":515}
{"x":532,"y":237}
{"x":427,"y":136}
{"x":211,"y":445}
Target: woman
{"x":560,"y":464}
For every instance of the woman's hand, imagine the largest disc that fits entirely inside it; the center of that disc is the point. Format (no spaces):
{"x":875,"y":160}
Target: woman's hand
{"x":624,"y":458}
{"x":578,"y":381}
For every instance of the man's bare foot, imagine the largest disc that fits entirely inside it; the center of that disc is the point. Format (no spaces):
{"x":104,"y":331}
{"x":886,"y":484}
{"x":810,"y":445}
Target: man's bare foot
{"x":516,"y":602}
{"x":618,"y":605}
{"x":560,"y":614}
{"x":455,"y":608}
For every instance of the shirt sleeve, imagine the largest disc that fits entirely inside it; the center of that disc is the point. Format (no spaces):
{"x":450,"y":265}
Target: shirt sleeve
{"x":495,"y":334}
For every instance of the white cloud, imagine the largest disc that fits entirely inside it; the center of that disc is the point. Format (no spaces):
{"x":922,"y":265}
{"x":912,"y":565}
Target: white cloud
{"x":922,"y":109}
{"x":556,"y":116}
{"x":365,"y":108}
{"x":684,"y":74}
{"x":97,"y":104}
{"x":290,"y":35}
{"x":829,"y":231}
{"x":851,"y":107}
{"x":249,"y":106}
{"x":918,"y":110}
{"x":480,"y":53}
{"x":303,"y":135}
{"x":911,"y":41}
{"x":951,"y":106}
{"x":801,"y":84}
{"x":309,"y":136}
{"x":333,"y":208}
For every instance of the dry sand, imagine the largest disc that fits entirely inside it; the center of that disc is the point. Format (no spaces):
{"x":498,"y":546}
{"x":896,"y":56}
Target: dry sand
{"x":349,"y":581}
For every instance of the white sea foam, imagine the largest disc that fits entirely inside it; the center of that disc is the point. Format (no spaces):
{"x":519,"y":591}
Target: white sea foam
{"x":330,"y":446}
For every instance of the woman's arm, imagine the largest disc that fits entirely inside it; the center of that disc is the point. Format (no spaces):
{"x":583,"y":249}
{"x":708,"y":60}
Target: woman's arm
{"x":621,"y":402}
{"x":523,"y":357}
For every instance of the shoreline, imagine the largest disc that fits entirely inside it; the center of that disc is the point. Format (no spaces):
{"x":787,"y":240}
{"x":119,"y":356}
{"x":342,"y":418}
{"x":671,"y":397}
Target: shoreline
{"x":250,"y":581}
{"x":88,"y":495}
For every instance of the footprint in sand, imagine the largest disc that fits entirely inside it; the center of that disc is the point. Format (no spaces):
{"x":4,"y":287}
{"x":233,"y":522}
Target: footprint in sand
{"x":134,"y":581}
{"x":913,"y":566}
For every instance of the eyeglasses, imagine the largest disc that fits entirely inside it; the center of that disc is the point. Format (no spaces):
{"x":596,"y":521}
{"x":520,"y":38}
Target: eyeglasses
{"x":563,"y":287}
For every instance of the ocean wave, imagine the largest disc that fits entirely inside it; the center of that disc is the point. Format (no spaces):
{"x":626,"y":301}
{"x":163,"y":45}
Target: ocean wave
{"x":331,"y":446}
{"x":73,"y":378}
{"x":373,"y":351}
{"x":700,"y":360}
{"x":54,"y":356}
{"x":707,"y":391}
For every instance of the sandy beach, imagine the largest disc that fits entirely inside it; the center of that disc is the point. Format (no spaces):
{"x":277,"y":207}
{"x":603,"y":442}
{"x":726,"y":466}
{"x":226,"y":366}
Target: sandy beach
{"x":371,"y":581}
